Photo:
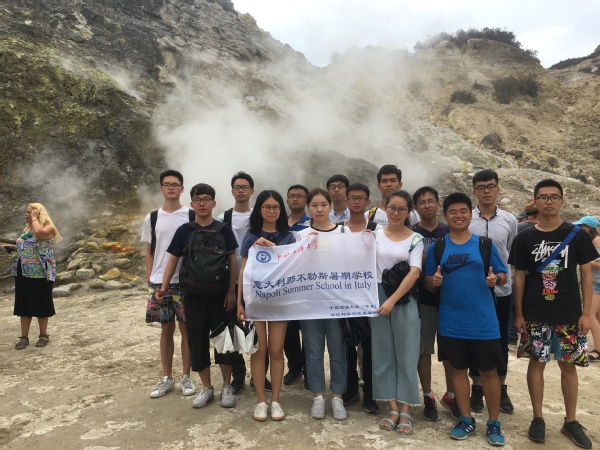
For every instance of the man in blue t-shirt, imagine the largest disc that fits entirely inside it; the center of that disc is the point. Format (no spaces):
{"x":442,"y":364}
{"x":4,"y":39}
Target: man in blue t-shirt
{"x":468,"y":333}
{"x":206,"y":313}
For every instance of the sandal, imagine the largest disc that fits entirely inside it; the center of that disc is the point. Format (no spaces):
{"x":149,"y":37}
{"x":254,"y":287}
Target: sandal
{"x":405,"y":426}
{"x":593,"y":358}
{"x":24,"y":342}
{"x":43,"y":340}
{"x":387,"y":423}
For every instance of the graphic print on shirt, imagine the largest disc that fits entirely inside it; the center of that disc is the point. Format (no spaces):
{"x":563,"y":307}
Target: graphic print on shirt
{"x":540,"y":252}
{"x":455,"y":262}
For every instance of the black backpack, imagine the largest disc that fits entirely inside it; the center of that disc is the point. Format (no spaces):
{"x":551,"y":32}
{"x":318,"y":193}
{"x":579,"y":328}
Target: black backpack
{"x":154,"y":218}
{"x":204,"y":270}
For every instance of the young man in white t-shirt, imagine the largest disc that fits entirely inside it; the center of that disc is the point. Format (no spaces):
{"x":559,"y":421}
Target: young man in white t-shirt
{"x":242,"y":188}
{"x":389,"y":179}
{"x":168,"y":218}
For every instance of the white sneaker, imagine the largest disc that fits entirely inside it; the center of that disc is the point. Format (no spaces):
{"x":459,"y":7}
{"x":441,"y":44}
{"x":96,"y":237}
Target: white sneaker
{"x":277,"y":413}
{"x":187,"y":385}
{"x":339,"y":411}
{"x":206,"y":395}
{"x":163,"y":387}
{"x":227,"y":398}
{"x":260,"y":412}
{"x":318,"y":408}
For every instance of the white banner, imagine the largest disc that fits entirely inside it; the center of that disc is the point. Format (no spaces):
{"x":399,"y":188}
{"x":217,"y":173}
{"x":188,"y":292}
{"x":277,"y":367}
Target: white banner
{"x":321,"y":277}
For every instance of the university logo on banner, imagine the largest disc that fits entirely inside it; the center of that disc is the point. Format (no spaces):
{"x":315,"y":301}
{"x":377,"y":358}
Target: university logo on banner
{"x":323,"y":276}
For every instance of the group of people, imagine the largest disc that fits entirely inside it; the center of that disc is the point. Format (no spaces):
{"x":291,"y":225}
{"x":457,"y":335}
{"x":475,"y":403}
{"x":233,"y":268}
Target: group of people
{"x":456,"y":284}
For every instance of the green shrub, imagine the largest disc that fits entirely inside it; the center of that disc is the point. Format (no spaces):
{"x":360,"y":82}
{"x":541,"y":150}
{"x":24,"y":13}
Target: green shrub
{"x":507,"y":89}
{"x":464,"y":97}
{"x":461,"y":37}
{"x":574,"y":61}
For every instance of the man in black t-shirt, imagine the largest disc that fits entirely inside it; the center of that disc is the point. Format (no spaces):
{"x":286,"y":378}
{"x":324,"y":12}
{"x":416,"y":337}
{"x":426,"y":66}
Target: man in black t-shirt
{"x":427,"y":204}
{"x":549,"y":312}
{"x":205,"y":313}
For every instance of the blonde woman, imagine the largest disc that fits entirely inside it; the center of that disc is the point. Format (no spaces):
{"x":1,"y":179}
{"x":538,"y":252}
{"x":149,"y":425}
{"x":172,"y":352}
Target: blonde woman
{"x":34,"y":273}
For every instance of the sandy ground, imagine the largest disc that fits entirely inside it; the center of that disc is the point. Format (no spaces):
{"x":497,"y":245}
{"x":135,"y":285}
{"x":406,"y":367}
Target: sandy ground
{"x":89,"y":389}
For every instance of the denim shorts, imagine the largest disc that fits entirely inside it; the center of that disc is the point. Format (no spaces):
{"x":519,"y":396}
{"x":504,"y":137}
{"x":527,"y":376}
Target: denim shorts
{"x":540,"y":340}
{"x":596,"y":287}
{"x":171,"y":307}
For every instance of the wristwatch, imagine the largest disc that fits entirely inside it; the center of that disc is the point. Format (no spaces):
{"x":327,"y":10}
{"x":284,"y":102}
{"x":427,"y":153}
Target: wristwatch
{"x":498,"y":280}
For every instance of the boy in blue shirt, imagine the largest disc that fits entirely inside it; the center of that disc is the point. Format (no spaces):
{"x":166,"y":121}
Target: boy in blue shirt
{"x":468,"y":333}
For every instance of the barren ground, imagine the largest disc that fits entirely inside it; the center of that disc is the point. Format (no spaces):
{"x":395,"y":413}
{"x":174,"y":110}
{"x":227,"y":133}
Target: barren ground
{"x":89,"y":389}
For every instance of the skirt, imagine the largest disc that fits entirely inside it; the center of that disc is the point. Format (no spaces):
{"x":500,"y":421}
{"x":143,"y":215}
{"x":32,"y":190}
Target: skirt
{"x":33,"y":296}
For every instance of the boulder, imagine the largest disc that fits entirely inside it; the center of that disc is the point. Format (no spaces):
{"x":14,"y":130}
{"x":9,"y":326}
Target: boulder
{"x":61,"y":291}
{"x":112,"y":285}
{"x":111,"y":274}
{"x":122,"y":263}
{"x":65,"y":276}
{"x":97,"y":284}
{"x":85,"y":274}
{"x":90,"y":247}
{"x":74,"y":286}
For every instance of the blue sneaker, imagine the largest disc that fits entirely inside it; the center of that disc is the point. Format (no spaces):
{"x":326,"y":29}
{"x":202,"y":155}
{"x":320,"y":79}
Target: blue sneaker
{"x":493,"y":433}
{"x":464,"y":427}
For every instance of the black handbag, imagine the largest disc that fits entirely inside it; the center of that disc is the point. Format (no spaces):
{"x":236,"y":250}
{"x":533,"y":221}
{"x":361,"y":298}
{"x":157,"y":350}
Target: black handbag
{"x":392,"y":278}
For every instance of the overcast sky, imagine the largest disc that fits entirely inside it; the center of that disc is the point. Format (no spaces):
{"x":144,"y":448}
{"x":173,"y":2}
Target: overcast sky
{"x":557,"y":29}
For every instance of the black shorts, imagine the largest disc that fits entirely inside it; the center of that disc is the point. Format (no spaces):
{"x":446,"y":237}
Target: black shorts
{"x":464,"y":353}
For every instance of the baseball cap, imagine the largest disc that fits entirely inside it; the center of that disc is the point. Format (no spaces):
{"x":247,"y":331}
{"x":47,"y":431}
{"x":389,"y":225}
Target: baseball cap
{"x":590,"y":221}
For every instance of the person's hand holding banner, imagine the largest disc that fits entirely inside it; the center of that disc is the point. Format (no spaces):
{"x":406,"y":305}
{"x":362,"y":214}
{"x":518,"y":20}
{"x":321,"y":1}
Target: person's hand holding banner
{"x":322,"y":276}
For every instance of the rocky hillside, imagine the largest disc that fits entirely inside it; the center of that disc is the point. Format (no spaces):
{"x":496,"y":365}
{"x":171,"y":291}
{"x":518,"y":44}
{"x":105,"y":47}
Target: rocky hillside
{"x":99,"y":96}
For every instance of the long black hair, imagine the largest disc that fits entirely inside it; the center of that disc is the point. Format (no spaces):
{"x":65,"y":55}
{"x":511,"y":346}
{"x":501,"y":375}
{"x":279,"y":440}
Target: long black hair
{"x":409,"y":202}
{"x":256,"y":220}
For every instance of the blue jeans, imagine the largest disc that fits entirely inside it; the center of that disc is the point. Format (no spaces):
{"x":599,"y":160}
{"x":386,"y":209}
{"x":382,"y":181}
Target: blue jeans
{"x":395,"y":342}
{"x":314,"y":333}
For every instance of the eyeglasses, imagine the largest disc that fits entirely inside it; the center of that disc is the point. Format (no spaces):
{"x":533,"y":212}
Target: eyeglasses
{"x":271,"y":207}
{"x":336,"y":187}
{"x":357,"y":199}
{"x":296,"y":196}
{"x":553,"y":198}
{"x":431,"y":201}
{"x":393,"y":210}
{"x":171,"y":185}
{"x":237,"y":187}
{"x":487,"y":187}
{"x":205,"y":200}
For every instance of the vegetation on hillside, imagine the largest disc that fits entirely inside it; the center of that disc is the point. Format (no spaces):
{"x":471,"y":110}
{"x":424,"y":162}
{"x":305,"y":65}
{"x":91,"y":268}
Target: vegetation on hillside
{"x":460,"y":38}
{"x":573,"y":61}
{"x":508,"y":88}
{"x":462,"y":96}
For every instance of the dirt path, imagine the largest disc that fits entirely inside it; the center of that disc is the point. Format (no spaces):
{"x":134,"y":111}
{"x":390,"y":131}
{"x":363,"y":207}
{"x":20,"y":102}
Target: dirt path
{"x":89,"y":389}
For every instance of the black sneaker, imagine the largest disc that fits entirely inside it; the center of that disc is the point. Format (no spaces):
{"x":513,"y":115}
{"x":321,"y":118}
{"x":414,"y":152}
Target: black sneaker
{"x":476,"y":398}
{"x":350,"y":396}
{"x":430,"y":411}
{"x":451,"y":405}
{"x":370,"y":406}
{"x":268,"y":387}
{"x":537,"y":430}
{"x":506,"y":405}
{"x":237,"y":385}
{"x":306,"y":383}
{"x":575,"y":431}
{"x":291,"y":377}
